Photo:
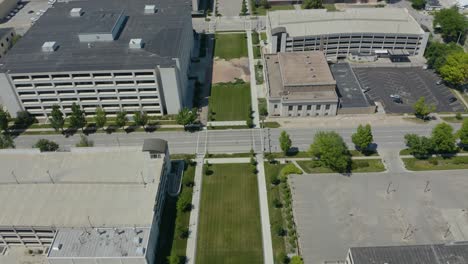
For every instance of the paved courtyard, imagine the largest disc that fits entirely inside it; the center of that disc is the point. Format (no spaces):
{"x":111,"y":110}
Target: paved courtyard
{"x":410,"y":84}
{"x":335,"y":212}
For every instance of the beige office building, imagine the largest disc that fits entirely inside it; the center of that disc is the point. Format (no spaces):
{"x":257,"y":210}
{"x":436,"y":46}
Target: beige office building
{"x":300,"y":84}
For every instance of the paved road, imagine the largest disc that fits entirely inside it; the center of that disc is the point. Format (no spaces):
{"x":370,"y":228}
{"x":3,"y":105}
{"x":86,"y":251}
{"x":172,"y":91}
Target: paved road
{"x":233,"y":141}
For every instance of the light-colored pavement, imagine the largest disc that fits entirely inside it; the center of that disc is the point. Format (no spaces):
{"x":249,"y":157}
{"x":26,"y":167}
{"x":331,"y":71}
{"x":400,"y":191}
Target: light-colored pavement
{"x":227,"y":160}
{"x":191,"y":250}
{"x":229,"y":24}
{"x":334,"y":212}
{"x":229,"y":8}
{"x":253,"y":82}
{"x":264,"y":214}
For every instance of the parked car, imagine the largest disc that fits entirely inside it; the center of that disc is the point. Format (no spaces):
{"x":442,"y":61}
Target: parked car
{"x":452,"y":99}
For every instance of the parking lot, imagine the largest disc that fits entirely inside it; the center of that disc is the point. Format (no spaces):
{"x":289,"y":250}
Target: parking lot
{"x":23,"y":19}
{"x":335,"y":212}
{"x":410,"y":84}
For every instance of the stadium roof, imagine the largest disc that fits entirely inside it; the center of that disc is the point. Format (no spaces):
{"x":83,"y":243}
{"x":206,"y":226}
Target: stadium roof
{"x":162,"y":34}
{"x":354,"y":20}
{"x":109,"y":187}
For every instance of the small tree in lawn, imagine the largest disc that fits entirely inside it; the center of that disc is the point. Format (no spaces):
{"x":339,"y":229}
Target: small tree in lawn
{"x":24,"y":119}
{"x":285,"y":142}
{"x":100,"y":118}
{"x":244,"y":9}
{"x":331,"y":150}
{"x":186,"y":116}
{"x":363,"y":137}
{"x":443,"y":138}
{"x":419,"y":146}
{"x":77,"y":117}
{"x":265,"y":4}
{"x":173,"y":259}
{"x":140,"y":118}
{"x":121,"y":119}
{"x":57,"y":119}
{"x":4,"y":119}
{"x":421,"y":109}
{"x":296,"y":260}
{"x":463,"y":133}
{"x":46,"y":145}
{"x":6,"y":141}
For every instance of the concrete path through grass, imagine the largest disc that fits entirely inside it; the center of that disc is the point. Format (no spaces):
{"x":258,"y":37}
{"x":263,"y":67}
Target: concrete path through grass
{"x":194,"y":214}
{"x":253,"y":83}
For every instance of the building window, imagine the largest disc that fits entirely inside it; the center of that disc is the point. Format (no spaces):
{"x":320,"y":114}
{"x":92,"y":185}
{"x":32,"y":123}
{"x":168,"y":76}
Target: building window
{"x":309,"y":107}
{"x":317,"y":107}
{"x":7,"y":39}
{"x":1,"y":45}
{"x":290,"y":108}
{"x":276,"y":106}
{"x":299,"y":108}
{"x":327,"y":107}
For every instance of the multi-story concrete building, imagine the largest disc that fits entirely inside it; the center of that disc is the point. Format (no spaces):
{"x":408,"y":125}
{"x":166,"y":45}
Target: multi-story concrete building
{"x":90,"y":205}
{"x":7,"y":36}
{"x":291,"y":2}
{"x":336,"y":34}
{"x":132,"y":55}
{"x":6,"y":6}
{"x":300,"y":84}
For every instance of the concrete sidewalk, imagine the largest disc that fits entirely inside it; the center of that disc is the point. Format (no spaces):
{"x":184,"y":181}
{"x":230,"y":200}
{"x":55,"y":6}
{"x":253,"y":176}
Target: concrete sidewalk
{"x":227,"y":160}
{"x":253,"y":82}
{"x":264,"y":213}
{"x":191,"y":250}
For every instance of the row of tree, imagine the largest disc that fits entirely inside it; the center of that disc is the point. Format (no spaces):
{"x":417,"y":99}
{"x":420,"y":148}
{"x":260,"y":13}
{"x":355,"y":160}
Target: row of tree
{"x":443,"y":140}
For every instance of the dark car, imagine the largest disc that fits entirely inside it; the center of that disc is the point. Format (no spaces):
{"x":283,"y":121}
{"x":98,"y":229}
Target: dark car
{"x":452,"y":99}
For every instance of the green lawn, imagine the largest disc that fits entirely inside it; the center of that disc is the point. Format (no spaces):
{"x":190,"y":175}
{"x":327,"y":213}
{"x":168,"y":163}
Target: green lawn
{"x":263,"y":36}
{"x":330,"y":7}
{"x":271,"y":124}
{"x":368,"y":165}
{"x":453,"y":119}
{"x":168,"y":242}
{"x":437,"y":163}
{"x":276,"y":218}
{"x":257,"y":52}
{"x":261,"y":11}
{"x":230,"y":46}
{"x":255,"y":38}
{"x":229,"y":229}
{"x":230,"y":101}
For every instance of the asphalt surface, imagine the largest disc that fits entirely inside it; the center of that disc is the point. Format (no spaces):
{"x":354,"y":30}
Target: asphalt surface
{"x":410,"y":84}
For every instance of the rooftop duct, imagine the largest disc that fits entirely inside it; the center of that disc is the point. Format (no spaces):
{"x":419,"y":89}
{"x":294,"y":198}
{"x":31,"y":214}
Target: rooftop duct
{"x":135,"y":43}
{"x":49,"y":46}
{"x":76,"y":12}
{"x":150,"y":9}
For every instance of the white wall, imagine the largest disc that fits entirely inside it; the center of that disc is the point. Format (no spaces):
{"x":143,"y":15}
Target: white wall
{"x":8,"y":98}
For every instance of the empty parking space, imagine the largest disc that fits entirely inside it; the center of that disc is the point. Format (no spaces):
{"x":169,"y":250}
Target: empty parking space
{"x":335,"y":212}
{"x":407,"y":83}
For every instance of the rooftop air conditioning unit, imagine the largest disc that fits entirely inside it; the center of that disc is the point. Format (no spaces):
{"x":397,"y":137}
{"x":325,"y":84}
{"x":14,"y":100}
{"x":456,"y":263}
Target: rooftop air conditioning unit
{"x":135,"y":43}
{"x":76,"y":12}
{"x":150,"y":9}
{"x":49,"y":46}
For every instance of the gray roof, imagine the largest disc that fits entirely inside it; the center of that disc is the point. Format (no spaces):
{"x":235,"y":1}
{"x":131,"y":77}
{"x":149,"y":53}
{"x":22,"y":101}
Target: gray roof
{"x":114,"y":187}
{"x":418,"y":254}
{"x":155,"y":145}
{"x":353,"y":20}
{"x":162,"y":34}
{"x":349,"y":89}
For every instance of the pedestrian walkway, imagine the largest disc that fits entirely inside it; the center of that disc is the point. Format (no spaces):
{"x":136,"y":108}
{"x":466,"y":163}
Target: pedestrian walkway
{"x":191,"y":250}
{"x":253,"y":82}
{"x":227,"y":123}
{"x":264,"y":214}
{"x":227,"y":160}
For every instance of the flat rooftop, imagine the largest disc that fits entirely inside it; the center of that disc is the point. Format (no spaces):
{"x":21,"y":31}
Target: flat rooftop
{"x":100,"y":243}
{"x":349,"y":89}
{"x":162,"y":33}
{"x":111,"y":187}
{"x":334,"y":212}
{"x":299,"y":69}
{"x":454,"y":253}
{"x":354,"y":20}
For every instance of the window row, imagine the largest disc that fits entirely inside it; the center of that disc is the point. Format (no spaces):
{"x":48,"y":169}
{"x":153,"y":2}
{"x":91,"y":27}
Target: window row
{"x":82,"y":76}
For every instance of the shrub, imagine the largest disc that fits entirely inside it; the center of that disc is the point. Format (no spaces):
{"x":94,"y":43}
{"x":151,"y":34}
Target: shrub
{"x":433,"y":161}
{"x":46,"y":145}
{"x":184,"y":203}
{"x":274,"y":179}
{"x":458,"y":116}
{"x":253,"y":161}
{"x":279,"y":230}
{"x":459,"y":160}
{"x":282,"y":258}
{"x":182,"y":231}
{"x":277,"y":203}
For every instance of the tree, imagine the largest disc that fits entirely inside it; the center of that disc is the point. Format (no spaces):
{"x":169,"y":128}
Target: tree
{"x":46,"y":145}
{"x":77,"y":117}
{"x":6,"y":141}
{"x":463,"y":133}
{"x":100,"y":118}
{"x":265,"y":4}
{"x":418,"y":4}
{"x":184,"y":202}
{"x":244,"y":9}
{"x":452,"y":24}
{"x":173,"y":259}
{"x":296,"y":260}
{"x":421,"y":109}
{"x":121,"y":118}
{"x":419,"y":146}
{"x":455,"y":69}
{"x":57,"y":119}
{"x":4,"y":119}
{"x":437,"y":53}
{"x":84,"y":142}
{"x":186,"y":116}
{"x":285,"y":142}
{"x":140,"y":118}
{"x":24,"y":119}
{"x":309,"y":4}
{"x":443,"y":138}
{"x":331,"y":150}
{"x":363,"y":137}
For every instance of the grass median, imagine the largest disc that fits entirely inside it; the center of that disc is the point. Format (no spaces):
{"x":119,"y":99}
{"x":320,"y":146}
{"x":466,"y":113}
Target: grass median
{"x":436,"y":163}
{"x":363,"y":165}
{"x":230,"y":101}
{"x":229,"y":229}
{"x":230,"y":46}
